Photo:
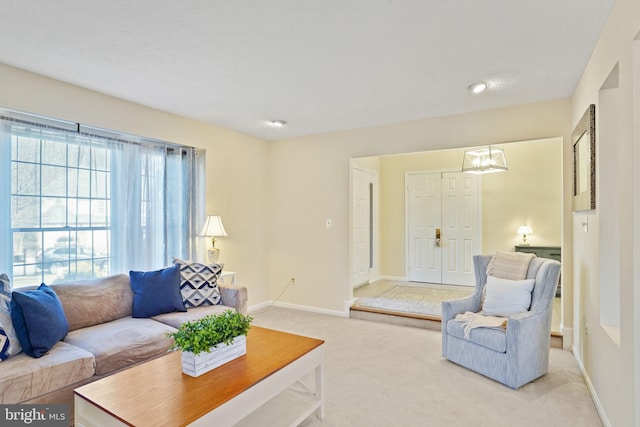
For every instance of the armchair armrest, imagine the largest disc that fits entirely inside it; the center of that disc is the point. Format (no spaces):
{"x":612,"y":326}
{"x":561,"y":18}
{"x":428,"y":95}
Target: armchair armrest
{"x":453,"y":307}
{"x":528,"y":338}
{"x":532,"y":324}
{"x":234,"y":297}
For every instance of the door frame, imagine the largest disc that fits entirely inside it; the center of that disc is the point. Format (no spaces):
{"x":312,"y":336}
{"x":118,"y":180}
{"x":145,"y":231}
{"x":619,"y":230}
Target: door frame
{"x":374,"y":269}
{"x":406,"y":211}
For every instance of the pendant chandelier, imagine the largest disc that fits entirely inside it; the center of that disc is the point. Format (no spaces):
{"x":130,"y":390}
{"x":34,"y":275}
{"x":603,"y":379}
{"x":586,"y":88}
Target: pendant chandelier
{"x":484,"y":160}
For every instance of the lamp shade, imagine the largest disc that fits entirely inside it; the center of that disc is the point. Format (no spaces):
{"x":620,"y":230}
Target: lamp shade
{"x":524,"y":229}
{"x":213,"y":227}
{"x":484,"y":160}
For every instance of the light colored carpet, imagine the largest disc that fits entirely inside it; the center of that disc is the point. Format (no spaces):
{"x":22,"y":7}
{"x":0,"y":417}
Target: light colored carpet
{"x":382,"y":375}
{"x":414,"y":299}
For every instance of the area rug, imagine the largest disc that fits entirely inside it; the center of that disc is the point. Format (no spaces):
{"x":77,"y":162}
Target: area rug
{"x":414,"y":299}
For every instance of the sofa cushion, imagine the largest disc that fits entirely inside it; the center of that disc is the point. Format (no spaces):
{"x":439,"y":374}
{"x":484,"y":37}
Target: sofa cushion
{"x":199,"y":283}
{"x":9,"y":343}
{"x":39,"y":319}
{"x":194,"y":313}
{"x":23,"y":377}
{"x":120,"y":343}
{"x":492,"y":338}
{"x":91,"y":302}
{"x":156,"y":292}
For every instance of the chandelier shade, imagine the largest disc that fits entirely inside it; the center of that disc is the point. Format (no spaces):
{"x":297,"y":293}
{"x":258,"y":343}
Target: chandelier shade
{"x":482,"y":160}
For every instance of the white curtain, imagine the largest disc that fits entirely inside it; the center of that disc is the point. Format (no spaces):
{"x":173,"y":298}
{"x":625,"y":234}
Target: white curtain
{"x":156,"y":206}
{"x":6,"y":247}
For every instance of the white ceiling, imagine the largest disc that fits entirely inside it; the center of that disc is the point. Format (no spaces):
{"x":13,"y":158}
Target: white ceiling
{"x":321,"y":65}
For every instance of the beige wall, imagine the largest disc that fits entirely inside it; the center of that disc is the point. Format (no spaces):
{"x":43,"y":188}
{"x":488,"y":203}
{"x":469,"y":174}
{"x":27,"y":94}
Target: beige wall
{"x":237,"y":179}
{"x":530,"y":192}
{"x":309,"y":181}
{"x":610,"y":354}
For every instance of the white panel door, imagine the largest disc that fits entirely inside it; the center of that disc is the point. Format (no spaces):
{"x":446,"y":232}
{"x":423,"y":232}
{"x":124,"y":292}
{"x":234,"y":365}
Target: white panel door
{"x":361,"y":227}
{"x":423,"y":218}
{"x":460,"y":227}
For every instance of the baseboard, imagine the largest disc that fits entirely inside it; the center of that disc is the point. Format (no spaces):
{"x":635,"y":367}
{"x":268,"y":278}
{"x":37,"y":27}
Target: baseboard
{"x":592,"y":391}
{"x":256,"y":307}
{"x":395,"y":278}
{"x":312,"y":309}
{"x":348,"y":304}
{"x":309,"y":308}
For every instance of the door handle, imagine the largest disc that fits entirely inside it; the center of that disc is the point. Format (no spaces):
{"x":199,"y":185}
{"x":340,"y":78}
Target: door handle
{"x":436,"y":242}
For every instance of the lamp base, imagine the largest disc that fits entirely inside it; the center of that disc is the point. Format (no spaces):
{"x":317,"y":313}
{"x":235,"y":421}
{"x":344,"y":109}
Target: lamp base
{"x":214,"y":255}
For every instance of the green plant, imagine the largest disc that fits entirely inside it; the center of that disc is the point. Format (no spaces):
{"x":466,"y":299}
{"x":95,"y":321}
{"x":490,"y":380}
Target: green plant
{"x":201,"y":335}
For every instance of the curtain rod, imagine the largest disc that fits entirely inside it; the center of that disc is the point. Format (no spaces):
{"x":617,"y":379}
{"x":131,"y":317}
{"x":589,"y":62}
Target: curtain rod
{"x":85,"y":130}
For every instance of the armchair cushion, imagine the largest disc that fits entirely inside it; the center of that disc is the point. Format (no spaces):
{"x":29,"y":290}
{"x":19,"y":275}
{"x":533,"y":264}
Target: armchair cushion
{"x":506,"y":297}
{"x":492,"y":338}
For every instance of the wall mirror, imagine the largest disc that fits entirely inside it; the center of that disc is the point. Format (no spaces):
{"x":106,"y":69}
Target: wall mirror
{"x":583,"y":139}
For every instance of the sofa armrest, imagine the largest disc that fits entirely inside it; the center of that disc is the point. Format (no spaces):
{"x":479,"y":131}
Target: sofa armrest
{"x":234,"y":297}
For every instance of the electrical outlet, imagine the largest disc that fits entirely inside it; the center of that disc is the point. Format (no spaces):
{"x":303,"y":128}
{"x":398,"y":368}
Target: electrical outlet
{"x":293,"y":280}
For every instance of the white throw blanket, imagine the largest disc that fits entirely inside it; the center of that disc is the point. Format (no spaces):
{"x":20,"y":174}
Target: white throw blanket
{"x":477,"y":320}
{"x":510,"y":265}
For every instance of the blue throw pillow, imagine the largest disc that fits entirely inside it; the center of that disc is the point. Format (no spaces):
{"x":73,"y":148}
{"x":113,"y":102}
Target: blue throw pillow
{"x":9,"y":343}
{"x":38,"y":319}
{"x":156,"y":292}
{"x":4,"y":345}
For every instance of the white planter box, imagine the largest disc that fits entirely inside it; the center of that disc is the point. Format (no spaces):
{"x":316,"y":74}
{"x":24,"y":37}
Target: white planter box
{"x":195,"y":366}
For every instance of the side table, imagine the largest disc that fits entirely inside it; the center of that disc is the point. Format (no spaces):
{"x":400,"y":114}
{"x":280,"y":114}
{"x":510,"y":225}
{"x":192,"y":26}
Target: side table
{"x":228,"y":278}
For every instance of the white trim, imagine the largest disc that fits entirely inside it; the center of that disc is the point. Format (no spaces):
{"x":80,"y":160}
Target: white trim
{"x":260,"y":306}
{"x":592,"y":390}
{"x":567,"y":337}
{"x":312,"y":309}
{"x":348,"y":304}
{"x":338,"y":313}
{"x":374,"y":271}
{"x":396,"y":278}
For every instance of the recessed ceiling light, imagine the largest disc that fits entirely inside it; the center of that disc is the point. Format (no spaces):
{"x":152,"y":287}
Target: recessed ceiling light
{"x":479,"y":87}
{"x":277,"y":123}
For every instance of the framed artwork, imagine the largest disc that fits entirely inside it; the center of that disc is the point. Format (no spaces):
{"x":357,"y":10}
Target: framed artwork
{"x":583,"y":139}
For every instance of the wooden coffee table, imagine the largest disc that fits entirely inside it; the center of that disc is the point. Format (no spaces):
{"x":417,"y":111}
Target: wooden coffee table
{"x":260,"y":388}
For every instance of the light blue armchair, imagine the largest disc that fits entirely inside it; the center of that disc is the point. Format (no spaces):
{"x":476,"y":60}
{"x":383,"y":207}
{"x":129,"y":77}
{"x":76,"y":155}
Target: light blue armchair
{"x":514,"y":356}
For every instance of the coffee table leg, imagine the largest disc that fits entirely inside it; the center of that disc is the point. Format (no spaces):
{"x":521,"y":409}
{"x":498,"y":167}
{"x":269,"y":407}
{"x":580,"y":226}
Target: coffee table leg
{"x":319,"y":393}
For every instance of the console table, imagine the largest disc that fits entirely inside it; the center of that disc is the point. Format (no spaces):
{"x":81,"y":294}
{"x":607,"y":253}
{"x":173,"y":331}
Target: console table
{"x":254,"y":389}
{"x":552,"y":252}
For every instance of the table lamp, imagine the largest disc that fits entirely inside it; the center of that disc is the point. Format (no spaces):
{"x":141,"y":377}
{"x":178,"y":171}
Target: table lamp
{"x":213,"y":228}
{"x":524,"y":230}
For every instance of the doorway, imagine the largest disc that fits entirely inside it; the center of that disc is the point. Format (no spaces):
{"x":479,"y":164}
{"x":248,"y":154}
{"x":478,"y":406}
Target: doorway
{"x":442,"y":227}
{"x":364,"y":236}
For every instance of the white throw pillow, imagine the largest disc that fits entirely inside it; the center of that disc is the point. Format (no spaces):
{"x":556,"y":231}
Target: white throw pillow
{"x":505,"y":297}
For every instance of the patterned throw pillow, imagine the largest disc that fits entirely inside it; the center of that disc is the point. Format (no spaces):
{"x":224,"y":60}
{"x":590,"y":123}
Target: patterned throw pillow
{"x":199,"y":283}
{"x":9,"y":344}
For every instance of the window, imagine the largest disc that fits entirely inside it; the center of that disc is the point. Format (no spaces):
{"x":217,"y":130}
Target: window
{"x":84,"y":203}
